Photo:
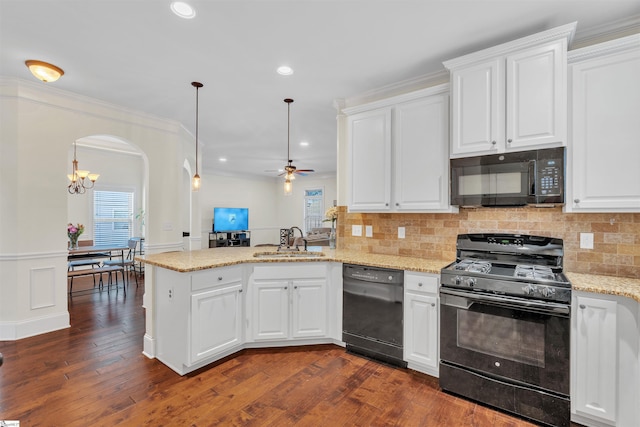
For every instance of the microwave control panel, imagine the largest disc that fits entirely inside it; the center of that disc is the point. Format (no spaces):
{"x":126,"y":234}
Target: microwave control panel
{"x":549,"y":177}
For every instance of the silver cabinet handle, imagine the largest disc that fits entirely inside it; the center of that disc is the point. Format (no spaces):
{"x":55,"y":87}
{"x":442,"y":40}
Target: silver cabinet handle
{"x":509,"y":140}
{"x":219,"y":277}
{"x":240,"y":291}
{"x":397,"y":204}
{"x":386,"y":204}
{"x":433,"y":304}
{"x":286,"y":287}
{"x":576,"y":200}
{"x":420,"y":284}
{"x":493,"y":142}
{"x":582,"y":306}
{"x":295,"y":287}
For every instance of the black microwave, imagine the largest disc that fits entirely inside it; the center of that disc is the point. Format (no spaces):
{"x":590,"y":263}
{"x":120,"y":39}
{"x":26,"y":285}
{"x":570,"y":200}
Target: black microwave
{"x":510,"y":179}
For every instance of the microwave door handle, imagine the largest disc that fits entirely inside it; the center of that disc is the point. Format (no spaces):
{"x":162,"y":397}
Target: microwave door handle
{"x":532,"y":177}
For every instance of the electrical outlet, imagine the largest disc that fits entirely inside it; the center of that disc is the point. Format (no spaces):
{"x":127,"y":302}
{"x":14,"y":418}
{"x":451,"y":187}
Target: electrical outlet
{"x":356,"y":230}
{"x":368,"y":230}
{"x":401,"y":233}
{"x":586,"y":240}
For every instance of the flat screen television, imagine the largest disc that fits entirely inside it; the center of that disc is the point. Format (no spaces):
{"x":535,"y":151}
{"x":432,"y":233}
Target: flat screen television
{"x":230,"y":219}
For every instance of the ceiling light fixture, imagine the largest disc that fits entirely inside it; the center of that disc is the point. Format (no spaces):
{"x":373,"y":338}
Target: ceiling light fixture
{"x":183,"y":10}
{"x":195,"y":183}
{"x":77,"y":177}
{"x":44,"y":71}
{"x":285,"y":70}
{"x":290,"y":169}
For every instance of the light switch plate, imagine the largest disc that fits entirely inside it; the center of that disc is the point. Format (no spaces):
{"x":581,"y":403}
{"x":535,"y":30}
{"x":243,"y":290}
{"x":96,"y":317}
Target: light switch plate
{"x":401,"y":233}
{"x":356,"y":230}
{"x":167,"y":226}
{"x":586,"y":240}
{"x":368,"y":230}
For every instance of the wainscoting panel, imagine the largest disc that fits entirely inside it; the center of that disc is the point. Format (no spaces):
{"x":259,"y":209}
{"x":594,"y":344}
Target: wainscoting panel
{"x":43,"y":289}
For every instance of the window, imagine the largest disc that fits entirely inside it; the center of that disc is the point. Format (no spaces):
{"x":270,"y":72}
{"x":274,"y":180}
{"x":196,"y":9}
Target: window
{"x":313,"y":209}
{"x":112,"y":217}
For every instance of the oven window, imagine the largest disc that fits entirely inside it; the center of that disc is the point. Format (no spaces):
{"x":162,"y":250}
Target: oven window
{"x":491,"y":183}
{"x":519,"y":340}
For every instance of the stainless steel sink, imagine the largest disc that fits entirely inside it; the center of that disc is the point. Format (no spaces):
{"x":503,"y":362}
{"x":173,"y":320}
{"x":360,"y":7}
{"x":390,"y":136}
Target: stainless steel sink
{"x":288,"y":254}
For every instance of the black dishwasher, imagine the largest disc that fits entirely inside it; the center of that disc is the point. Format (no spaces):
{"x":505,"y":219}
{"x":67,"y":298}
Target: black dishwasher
{"x":372,"y":312}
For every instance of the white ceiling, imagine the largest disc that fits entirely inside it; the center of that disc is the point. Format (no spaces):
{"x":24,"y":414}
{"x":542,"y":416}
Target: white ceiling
{"x":139,"y":55}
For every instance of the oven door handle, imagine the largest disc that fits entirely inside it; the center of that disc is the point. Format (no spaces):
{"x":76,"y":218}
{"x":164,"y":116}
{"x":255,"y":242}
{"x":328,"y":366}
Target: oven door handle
{"x":518,"y":303}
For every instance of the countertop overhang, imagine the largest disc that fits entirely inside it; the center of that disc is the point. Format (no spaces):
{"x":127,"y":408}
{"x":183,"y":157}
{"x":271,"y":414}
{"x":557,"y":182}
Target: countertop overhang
{"x":189,"y":261}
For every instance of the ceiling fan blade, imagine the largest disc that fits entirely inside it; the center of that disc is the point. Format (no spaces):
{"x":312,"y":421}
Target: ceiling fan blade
{"x":304,"y":170}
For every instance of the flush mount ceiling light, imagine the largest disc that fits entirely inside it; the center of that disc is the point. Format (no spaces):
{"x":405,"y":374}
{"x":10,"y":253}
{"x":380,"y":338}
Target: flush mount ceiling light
{"x":44,"y":71}
{"x":285,"y":70}
{"x":77,"y":177}
{"x":195,"y":183}
{"x":183,"y":10}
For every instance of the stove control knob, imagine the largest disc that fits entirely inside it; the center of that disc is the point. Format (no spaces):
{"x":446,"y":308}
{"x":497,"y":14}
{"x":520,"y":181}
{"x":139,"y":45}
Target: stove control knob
{"x":456,"y":280}
{"x":470,"y":282}
{"x":548,"y":292}
{"x":529,"y":289}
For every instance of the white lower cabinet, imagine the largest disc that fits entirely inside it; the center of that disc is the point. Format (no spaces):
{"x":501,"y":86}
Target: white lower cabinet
{"x":605,"y":377}
{"x":288,"y":303}
{"x":198,"y":316}
{"x":421,"y":319}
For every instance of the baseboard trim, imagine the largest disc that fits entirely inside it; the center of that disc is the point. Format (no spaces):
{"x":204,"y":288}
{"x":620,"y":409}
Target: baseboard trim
{"x":16,"y":330}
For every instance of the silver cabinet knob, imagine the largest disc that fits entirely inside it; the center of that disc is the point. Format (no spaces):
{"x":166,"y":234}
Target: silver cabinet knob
{"x":397,"y":204}
{"x":240,"y":291}
{"x":220,"y":278}
{"x":576,"y":200}
{"x":509,"y":140}
{"x":420,"y":284}
{"x":386,"y":204}
{"x":286,"y":287}
{"x":493,"y":142}
{"x":582,"y":306}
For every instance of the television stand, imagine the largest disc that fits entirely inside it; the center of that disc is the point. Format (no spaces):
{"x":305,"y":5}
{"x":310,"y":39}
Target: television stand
{"x":219,"y":239}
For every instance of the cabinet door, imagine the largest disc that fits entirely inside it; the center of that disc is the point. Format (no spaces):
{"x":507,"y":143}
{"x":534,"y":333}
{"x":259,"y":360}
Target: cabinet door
{"x":270,"y":310}
{"x":370,"y":160}
{"x":477,"y":116}
{"x":596,"y":367}
{"x":309,"y":308}
{"x":421,"y":141}
{"x":421,"y":329}
{"x":536,"y":97}
{"x":605,"y":152}
{"x":216,"y":321}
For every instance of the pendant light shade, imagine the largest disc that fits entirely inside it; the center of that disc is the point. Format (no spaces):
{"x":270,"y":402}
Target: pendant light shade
{"x":80,"y":180}
{"x":195,"y":182}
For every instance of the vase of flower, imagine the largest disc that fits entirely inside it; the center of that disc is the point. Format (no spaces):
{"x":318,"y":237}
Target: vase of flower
{"x":332,"y":237}
{"x":73,"y":233}
{"x":332,"y":215}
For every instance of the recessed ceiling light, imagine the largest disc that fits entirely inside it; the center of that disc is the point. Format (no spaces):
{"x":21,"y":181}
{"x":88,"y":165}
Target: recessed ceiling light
{"x":222,"y":159}
{"x":183,"y":10}
{"x":304,"y":144}
{"x":285,"y":70}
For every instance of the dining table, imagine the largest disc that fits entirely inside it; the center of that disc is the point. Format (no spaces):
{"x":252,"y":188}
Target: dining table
{"x":96,"y":252}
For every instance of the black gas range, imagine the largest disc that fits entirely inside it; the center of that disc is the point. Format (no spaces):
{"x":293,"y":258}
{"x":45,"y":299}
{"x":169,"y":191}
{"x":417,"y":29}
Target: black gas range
{"x":505,"y":305}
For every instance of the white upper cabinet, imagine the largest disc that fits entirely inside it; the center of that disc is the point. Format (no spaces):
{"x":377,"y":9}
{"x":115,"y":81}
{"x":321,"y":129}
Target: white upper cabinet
{"x":604,"y":152}
{"x":511,"y":97}
{"x":398,"y":153}
{"x":370,"y":154}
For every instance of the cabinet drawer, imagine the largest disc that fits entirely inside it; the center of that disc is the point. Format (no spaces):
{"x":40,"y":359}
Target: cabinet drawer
{"x":421,"y":282}
{"x":290,"y":270}
{"x":216,"y":277}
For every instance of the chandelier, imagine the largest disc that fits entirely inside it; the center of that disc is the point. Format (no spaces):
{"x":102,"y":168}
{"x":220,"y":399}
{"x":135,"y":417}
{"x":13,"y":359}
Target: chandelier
{"x":80,"y":180}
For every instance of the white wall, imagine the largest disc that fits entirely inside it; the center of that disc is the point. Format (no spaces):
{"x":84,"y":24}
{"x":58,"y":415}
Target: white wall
{"x":269,"y":209}
{"x":38,"y":125}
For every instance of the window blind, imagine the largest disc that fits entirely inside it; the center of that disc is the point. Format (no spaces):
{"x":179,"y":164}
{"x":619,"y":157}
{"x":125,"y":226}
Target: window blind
{"x":112,"y":217}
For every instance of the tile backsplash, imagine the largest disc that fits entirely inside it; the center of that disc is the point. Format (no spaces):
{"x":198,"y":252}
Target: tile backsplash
{"x":616,"y":249}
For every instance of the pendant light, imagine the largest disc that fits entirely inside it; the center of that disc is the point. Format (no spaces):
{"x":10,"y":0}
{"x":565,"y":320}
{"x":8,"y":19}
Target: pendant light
{"x":195,"y":183}
{"x":290,"y":170}
{"x":77,"y":184}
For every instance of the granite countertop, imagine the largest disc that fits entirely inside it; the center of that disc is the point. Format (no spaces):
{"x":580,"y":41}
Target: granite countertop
{"x":186,"y":261}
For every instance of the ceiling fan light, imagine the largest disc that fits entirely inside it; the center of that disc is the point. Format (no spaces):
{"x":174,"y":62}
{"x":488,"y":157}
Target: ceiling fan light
{"x":44,"y":71}
{"x":288,"y":187}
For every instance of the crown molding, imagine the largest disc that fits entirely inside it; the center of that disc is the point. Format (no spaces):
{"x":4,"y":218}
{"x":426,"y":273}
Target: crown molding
{"x":607,"y":32}
{"x":606,"y":48}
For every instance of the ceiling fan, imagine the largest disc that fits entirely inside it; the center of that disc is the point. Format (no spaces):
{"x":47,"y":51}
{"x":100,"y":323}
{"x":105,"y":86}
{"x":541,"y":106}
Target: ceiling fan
{"x":290,"y":169}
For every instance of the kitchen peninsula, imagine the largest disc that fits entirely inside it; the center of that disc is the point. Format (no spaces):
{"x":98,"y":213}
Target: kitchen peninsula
{"x":208,"y":304}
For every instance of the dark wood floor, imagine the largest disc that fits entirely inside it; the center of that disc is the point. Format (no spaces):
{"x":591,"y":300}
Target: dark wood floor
{"x":94,"y":374}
